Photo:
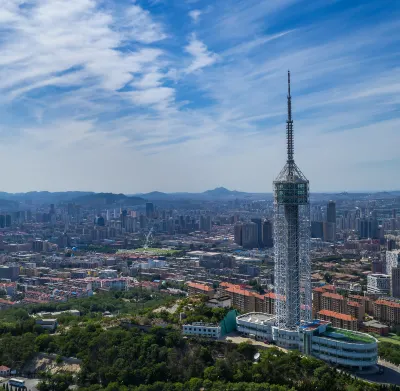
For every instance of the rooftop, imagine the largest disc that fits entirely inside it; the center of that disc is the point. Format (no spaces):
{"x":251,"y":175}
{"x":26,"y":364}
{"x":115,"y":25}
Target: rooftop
{"x":337,"y":315}
{"x":388,"y":303}
{"x":376,"y":324}
{"x":354,"y":303}
{"x":347,"y":336}
{"x":333,"y":296}
{"x":202,"y":287}
{"x":257,"y":317}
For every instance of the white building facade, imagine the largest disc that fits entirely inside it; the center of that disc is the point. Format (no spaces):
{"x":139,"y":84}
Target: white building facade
{"x":378,"y":283}
{"x":200,"y":329}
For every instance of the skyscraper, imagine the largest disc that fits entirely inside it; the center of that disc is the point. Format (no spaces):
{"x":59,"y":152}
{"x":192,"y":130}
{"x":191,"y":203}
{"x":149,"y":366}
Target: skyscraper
{"x":258,"y":221}
{"x":238,"y":233}
{"x":250,"y":235}
{"x":267,"y":234}
{"x":330,"y":229}
{"x":149,"y":210}
{"x":205,"y":223}
{"x":331,"y":212}
{"x":292,"y":238}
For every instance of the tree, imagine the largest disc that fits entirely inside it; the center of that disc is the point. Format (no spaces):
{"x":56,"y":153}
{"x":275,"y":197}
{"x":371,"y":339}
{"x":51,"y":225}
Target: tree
{"x":328,"y":277}
{"x":57,"y":382}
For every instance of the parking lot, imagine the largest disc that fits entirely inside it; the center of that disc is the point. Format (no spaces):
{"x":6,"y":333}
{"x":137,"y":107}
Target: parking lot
{"x":30,"y":384}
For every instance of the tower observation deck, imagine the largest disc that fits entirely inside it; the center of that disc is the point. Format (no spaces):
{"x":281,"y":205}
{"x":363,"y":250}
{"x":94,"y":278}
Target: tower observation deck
{"x":292,"y":238}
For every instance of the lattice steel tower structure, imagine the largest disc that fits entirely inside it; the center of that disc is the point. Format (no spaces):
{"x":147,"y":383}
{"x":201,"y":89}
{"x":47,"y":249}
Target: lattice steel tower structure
{"x":292,"y":239}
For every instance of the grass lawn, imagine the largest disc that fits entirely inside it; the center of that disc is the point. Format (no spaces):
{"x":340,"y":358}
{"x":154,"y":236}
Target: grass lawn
{"x":395,"y":341}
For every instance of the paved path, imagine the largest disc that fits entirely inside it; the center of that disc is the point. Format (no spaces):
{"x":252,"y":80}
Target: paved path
{"x":236,"y":338}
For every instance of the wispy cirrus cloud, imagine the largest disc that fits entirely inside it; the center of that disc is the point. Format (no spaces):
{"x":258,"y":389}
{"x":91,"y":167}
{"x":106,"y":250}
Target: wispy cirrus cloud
{"x":202,"y":57}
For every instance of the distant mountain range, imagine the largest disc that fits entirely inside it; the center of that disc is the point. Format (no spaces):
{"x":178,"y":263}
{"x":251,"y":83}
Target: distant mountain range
{"x":79,"y":197}
{"x":224,"y":193}
{"x":12,"y":200}
{"x":109,"y":199}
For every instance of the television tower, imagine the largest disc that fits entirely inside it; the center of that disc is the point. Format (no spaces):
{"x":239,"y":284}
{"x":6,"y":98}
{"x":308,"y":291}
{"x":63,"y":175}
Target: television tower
{"x":292,"y":238}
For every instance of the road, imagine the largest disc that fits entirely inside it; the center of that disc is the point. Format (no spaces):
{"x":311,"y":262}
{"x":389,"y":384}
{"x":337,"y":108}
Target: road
{"x":390,"y":376}
{"x":30,"y":384}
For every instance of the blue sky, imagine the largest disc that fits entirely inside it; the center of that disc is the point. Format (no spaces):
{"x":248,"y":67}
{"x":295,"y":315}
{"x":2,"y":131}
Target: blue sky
{"x":186,"y":95}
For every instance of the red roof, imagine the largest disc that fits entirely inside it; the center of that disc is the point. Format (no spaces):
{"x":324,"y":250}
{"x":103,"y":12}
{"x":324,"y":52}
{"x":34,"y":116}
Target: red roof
{"x":319,"y":289}
{"x":388,"y":303}
{"x":3,"y":368}
{"x":3,"y":301}
{"x":354,"y":303}
{"x":229,"y":285}
{"x":202,"y":287}
{"x":358,"y":297}
{"x":336,"y":315}
{"x":333,"y":296}
{"x":240,"y":291}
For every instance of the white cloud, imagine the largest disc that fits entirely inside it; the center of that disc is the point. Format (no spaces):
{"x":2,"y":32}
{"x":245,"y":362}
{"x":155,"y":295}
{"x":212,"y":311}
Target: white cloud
{"x":140,"y":26}
{"x":150,"y":80}
{"x":52,"y":36}
{"x":202,"y":57}
{"x":195,"y":15}
{"x":161,"y":96}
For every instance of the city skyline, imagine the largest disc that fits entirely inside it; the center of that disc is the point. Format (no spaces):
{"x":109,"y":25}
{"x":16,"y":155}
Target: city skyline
{"x":185,"y":96}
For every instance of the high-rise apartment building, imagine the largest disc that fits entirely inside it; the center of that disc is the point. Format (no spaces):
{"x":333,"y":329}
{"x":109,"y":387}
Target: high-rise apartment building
{"x":317,"y":229}
{"x":258,"y":221}
{"x":392,"y":266}
{"x":329,"y":232}
{"x":395,"y":282}
{"x":267,"y":234}
{"x":149,"y":210}
{"x":205,"y":223}
{"x":331,"y":212}
{"x":238,"y":234}
{"x":331,"y":220}
{"x":250,"y":235}
{"x":378,"y":283}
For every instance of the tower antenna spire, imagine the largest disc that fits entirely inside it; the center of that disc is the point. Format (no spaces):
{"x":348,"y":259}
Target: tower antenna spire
{"x":289,"y":130}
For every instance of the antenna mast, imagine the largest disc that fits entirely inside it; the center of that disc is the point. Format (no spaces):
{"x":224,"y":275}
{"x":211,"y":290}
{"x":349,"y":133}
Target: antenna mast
{"x":289,"y":130}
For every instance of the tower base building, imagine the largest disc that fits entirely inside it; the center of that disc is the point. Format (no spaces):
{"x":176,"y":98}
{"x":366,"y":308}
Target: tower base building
{"x":317,"y":338}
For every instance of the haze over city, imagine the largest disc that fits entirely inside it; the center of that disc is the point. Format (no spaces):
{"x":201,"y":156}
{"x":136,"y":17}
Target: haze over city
{"x":123,"y":96}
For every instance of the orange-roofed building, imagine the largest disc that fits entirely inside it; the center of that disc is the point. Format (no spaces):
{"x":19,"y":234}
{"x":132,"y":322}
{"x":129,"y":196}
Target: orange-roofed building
{"x":333,"y":302}
{"x":5,"y":304}
{"x":356,"y":310}
{"x":196,"y":288}
{"x":242,"y":300}
{"x":4,"y":371}
{"x":342,"y":321}
{"x":270,"y":299}
{"x":364,"y":300}
{"x":317,"y":299}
